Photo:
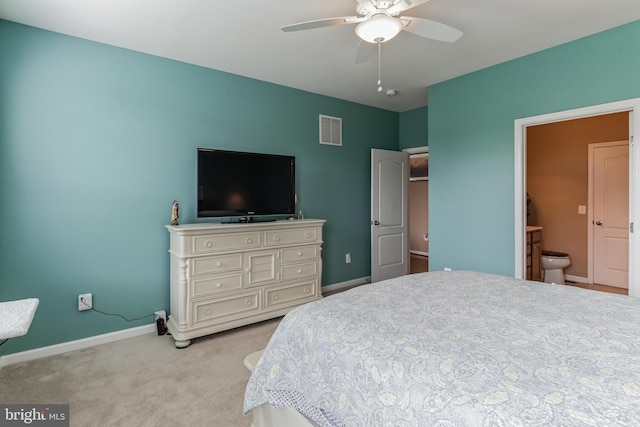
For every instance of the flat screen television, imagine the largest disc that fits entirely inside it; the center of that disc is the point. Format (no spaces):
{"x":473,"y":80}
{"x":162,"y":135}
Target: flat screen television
{"x":232,"y":183}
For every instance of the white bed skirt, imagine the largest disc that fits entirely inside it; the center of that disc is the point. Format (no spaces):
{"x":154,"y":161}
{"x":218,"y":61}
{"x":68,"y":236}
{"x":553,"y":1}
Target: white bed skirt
{"x":266,"y":415}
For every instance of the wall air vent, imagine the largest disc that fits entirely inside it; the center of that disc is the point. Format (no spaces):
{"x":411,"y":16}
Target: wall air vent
{"x":330,"y":130}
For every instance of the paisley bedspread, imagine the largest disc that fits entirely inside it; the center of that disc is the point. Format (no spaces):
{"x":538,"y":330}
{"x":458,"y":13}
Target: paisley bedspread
{"x":457,"y":349}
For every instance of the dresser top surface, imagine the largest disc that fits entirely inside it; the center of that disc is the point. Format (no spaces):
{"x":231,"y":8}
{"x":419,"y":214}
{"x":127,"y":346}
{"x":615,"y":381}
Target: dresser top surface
{"x":262,"y":225}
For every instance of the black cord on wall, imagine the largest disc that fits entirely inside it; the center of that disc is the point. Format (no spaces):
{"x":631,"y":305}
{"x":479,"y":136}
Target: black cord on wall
{"x":114,"y":314}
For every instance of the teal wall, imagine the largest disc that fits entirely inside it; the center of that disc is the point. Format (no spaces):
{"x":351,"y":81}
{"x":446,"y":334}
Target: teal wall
{"x":95,"y":144}
{"x":413,"y":128}
{"x":471,"y":138}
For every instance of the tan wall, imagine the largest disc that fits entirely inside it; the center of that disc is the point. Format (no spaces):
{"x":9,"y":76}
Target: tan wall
{"x":418,"y":215}
{"x":557,"y":180}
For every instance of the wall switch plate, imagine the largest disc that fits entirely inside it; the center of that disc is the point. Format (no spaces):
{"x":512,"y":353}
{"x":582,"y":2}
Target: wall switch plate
{"x":85,"y":302}
{"x":582,"y":210}
{"x":347,"y":258}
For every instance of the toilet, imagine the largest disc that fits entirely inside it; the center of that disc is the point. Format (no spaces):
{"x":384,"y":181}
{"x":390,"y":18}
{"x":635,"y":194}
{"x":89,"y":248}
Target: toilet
{"x":553,"y":265}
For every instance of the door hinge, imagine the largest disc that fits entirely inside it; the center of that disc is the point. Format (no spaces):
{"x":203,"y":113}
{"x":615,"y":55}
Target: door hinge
{"x":630,"y":227}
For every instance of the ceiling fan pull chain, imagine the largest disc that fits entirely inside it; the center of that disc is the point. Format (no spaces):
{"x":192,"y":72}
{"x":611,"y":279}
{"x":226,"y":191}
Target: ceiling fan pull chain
{"x":379,"y":67}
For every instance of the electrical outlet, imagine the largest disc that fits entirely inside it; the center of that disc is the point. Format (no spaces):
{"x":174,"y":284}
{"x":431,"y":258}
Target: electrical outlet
{"x":85,"y":302}
{"x":447,"y":269}
{"x":347,"y":258}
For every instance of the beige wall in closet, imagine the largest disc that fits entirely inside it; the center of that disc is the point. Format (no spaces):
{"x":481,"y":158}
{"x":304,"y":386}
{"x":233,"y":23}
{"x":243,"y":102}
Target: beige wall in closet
{"x":418,"y":215}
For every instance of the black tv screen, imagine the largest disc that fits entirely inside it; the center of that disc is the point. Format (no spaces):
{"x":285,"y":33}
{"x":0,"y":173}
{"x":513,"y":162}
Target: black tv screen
{"x":234,"y":183}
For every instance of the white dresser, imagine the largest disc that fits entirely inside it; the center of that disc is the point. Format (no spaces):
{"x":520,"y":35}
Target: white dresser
{"x":229,"y":275}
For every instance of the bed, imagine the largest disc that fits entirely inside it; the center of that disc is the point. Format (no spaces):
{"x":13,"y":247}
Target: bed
{"x":454,"y":349}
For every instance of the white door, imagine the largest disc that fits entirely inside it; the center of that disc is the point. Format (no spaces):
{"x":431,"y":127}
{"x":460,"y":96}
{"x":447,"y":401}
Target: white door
{"x":610,"y":169}
{"x":389,"y":214}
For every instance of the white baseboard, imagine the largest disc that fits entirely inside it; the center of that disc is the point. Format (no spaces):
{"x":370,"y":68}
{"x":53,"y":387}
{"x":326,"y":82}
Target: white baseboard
{"x":52,"y":350}
{"x":576,"y":279}
{"x":347,"y":284}
{"x":37,"y":353}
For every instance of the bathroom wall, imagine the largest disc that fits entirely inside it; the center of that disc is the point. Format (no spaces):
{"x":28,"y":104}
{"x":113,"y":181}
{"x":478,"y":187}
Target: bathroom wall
{"x":557,"y":180}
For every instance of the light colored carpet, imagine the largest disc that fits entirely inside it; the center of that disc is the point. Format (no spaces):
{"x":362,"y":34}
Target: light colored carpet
{"x":144,"y":381}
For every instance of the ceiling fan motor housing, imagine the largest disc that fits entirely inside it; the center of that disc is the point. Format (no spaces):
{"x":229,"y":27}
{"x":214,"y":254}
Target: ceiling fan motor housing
{"x":369,"y":7}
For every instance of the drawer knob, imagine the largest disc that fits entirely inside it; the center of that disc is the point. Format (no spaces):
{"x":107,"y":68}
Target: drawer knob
{"x":218,"y":264}
{"x":218,"y":285}
{"x":247,"y":269}
{"x":275,"y":297}
{"x":248,"y":240}
{"x":299,"y":271}
{"x":208,"y":244}
{"x":207,"y":311}
{"x":276,"y":238}
{"x":248,"y":303}
{"x":307,"y":235}
{"x":307,"y":290}
{"x":299,"y":253}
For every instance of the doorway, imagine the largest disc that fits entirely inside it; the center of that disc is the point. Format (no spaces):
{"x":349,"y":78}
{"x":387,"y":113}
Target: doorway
{"x":399,"y":212}
{"x":630,"y":107}
{"x":418,"y":209}
{"x":558,"y":185}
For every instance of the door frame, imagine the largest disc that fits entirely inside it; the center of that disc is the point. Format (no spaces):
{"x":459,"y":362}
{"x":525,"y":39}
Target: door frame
{"x":590,"y":204}
{"x":632,"y":106}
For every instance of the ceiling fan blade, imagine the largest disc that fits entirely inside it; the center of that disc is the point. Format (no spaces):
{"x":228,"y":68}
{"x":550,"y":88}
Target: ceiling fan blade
{"x":365,"y":51}
{"x":402,"y":5}
{"x":319,"y":23}
{"x":430,"y":29}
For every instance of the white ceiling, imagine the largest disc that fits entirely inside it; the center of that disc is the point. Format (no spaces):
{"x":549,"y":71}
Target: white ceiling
{"x":244,"y":37}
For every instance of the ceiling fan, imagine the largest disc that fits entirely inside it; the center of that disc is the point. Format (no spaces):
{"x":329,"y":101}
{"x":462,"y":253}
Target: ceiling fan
{"x":380,"y":21}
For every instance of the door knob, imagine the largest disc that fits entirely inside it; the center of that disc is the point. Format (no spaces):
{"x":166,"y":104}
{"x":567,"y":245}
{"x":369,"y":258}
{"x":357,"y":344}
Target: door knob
{"x":598,"y":223}
{"x":376,"y":222}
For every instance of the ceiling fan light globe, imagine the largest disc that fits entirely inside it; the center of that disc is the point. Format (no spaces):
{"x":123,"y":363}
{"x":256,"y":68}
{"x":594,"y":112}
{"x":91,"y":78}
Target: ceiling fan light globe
{"x":379,"y":28}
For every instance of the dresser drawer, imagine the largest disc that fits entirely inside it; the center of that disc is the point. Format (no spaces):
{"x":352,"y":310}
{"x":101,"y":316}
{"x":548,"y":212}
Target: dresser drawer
{"x":289,"y":295}
{"x":230,"y":308}
{"x":225,"y":242}
{"x":296,"y":271}
{"x":298,"y":235}
{"x":300,"y":253}
{"x":215,"y":264}
{"x":211,"y":285}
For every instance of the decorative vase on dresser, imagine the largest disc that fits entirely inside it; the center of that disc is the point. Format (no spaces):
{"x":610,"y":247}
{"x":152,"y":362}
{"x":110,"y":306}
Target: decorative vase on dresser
{"x":228,"y":275}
